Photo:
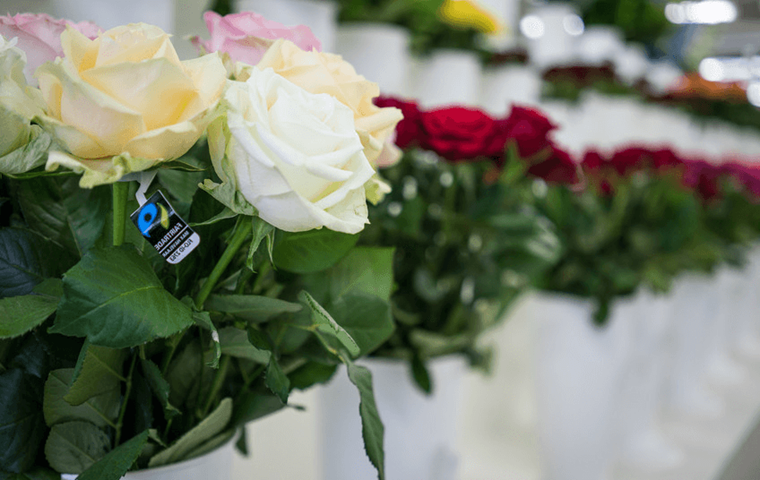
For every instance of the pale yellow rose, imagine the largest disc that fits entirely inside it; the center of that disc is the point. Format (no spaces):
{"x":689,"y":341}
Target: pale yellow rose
{"x":124,"y":102}
{"x":19,"y":103}
{"x":319,"y":72}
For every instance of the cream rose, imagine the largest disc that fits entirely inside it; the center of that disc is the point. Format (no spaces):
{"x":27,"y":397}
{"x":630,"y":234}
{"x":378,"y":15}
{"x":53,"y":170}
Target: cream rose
{"x":319,"y":72}
{"x":19,"y":103}
{"x":124,"y":102}
{"x":293,"y":155}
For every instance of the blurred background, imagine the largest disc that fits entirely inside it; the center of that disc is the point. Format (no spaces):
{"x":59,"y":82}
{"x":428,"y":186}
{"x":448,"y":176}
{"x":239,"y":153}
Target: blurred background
{"x":682,"y":75}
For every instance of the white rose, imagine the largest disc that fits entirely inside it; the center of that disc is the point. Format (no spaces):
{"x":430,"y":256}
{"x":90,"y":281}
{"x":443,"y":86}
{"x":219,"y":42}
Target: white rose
{"x":295,"y":156}
{"x":18,"y":102}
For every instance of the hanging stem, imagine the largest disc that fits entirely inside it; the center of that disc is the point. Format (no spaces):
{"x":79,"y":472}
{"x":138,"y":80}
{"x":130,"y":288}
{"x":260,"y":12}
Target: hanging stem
{"x":217,"y":385}
{"x":243,"y":229}
{"x":120,"y":191}
{"x":127,"y":392}
{"x":238,"y":239}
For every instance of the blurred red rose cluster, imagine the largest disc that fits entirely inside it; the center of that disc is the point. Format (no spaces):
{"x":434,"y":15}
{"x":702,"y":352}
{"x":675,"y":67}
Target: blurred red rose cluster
{"x":463,"y":134}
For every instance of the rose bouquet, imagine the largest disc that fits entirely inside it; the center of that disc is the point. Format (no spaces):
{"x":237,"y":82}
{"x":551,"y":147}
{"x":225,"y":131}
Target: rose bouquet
{"x":125,"y":347}
{"x":466,"y":246}
{"x":645,"y":216}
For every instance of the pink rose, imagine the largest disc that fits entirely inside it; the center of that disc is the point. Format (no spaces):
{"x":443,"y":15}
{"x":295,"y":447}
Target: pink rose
{"x":239,"y":35}
{"x":39,"y":36}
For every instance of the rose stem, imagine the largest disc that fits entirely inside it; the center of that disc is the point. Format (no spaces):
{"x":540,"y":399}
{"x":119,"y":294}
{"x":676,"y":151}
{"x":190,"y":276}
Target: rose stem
{"x":243,"y":228}
{"x":238,"y":239}
{"x":123,"y":410}
{"x":120,"y":191}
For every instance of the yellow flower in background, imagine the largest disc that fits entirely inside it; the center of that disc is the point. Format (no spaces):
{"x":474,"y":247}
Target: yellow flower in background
{"x":468,"y":13}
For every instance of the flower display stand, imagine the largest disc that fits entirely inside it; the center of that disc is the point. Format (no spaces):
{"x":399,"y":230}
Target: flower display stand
{"x":363,"y":44}
{"x":434,"y":84}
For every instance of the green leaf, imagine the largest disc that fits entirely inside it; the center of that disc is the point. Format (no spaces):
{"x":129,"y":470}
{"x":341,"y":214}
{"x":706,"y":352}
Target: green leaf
{"x":212,"y":444}
{"x":37,"y":473}
{"x":227,"y":195}
{"x":182,"y":185}
{"x":62,"y":212}
{"x":235,"y":343}
{"x":97,"y":370}
{"x":364,"y":269}
{"x":101,"y":410}
{"x":22,"y":426}
{"x":311,"y":373}
{"x":251,"y":308}
{"x":21,"y":314}
{"x":277,"y":381}
{"x":210,"y":427}
{"x":74,"y":447}
{"x":326,"y":324}
{"x":421,"y":375}
{"x":366,"y":318}
{"x":254,"y":405}
{"x":30,"y":156}
{"x":203,"y":320}
{"x":114,"y":298}
{"x":312,"y":251}
{"x":225,"y":214}
{"x":373,"y":431}
{"x":184,"y":375}
{"x":118,"y":461}
{"x":261,"y":230}
{"x":159,"y":386}
{"x":26,"y":259}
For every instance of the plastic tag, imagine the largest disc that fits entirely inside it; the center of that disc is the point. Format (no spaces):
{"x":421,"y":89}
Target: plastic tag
{"x":164,"y":229}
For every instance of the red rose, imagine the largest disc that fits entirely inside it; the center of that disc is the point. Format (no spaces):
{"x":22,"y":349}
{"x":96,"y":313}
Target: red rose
{"x":702,"y":177}
{"x":630,"y":160}
{"x":595,"y":168}
{"x":408,"y":129}
{"x":558,"y":168}
{"x":593,"y":161}
{"x":665,"y":158}
{"x":530,"y":129}
{"x":634,"y":159}
{"x":746,"y":176}
{"x":458,"y":133}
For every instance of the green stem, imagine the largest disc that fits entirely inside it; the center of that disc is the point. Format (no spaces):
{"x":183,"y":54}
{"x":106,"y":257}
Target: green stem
{"x":120,"y":192}
{"x":217,"y":385}
{"x":264,"y":270}
{"x":120,"y":421}
{"x":238,"y":239}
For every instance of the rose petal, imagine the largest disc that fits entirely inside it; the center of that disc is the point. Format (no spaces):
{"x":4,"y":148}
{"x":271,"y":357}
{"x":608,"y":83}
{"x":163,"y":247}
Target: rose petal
{"x":90,"y":110}
{"x":157,"y":89}
{"x":208,"y":75}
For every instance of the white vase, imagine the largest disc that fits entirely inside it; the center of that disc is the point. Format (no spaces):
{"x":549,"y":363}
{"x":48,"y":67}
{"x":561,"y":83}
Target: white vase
{"x":112,"y":14}
{"x":216,"y":464}
{"x":642,"y":445}
{"x":378,"y":51}
{"x":747,"y":335}
{"x":578,"y":373}
{"x":447,"y":77}
{"x":631,"y":64}
{"x":551,"y":43}
{"x":320,"y":16}
{"x":420,"y":430}
{"x":695,"y":308}
{"x":721,"y":367}
{"x":507,"y":85}
{"x":599,"y":45}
